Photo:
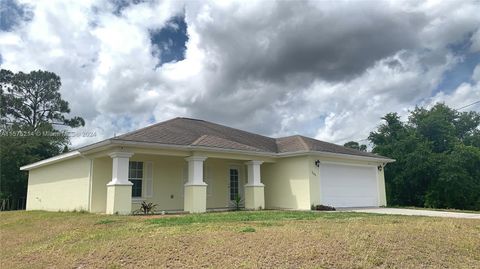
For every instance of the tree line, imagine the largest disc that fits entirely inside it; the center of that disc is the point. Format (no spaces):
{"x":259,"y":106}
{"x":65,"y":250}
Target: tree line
{"x":437,"y":153}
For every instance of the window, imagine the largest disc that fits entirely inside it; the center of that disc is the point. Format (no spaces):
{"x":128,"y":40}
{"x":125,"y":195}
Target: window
{"x":135,"y":175}
{"x":233,"y":184}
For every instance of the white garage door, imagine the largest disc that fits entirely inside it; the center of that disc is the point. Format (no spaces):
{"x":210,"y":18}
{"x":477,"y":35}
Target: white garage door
{"x":348,"y":185}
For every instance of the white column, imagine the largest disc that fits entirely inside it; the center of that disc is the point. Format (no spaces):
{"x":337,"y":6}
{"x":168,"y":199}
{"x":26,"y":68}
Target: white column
{"x":119,"y":189}
{"x":254,"y":173}
{"x":195,"y":198}
{"x":254,"y":189}
{"x":120,"y":162}
{"x":195,"y":170}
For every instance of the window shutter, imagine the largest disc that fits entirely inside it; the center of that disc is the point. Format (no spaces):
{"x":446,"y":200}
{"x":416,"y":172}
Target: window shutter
{"x":148,"y":179}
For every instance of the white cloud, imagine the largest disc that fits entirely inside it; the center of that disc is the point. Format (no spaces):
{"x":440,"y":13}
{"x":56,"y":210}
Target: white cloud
{"x":465,"y":94}
{"x":476,"y":74}
{"x":324,"y":69}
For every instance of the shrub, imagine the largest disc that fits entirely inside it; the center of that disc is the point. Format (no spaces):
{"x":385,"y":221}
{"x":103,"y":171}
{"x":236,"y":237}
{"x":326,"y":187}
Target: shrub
{"x":237,"y":203}
{"x":147,"y":208}
{"x":323,"y":208}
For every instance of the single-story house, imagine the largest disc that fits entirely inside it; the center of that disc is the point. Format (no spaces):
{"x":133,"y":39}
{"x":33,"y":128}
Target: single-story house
{"x":193,"y":165}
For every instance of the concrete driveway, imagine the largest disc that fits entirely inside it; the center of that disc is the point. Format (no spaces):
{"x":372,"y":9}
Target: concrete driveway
{"x":416,"y":212}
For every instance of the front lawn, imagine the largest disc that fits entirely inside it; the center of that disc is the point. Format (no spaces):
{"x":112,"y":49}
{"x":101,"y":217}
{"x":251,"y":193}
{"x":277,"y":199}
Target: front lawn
{"x":439,"y":209}
{"x":278,"y":239}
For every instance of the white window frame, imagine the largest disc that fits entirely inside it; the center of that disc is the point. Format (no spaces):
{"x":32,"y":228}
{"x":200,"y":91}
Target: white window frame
{"x":137,"y":178}
{"x":239,"y":171}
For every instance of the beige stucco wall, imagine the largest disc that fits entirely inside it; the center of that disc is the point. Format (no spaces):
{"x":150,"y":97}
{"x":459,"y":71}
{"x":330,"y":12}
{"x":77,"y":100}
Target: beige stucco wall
{"x":314,"y":174}
{"x":168,"y":181}
{"x":194,"y":201}
{"x":119,"y":197}
{"x":294,"y":183}
{"x":382,"y":196}
{"x":101,"y":175}
{"x":254,"y":197}
{"x":287,"y":183}
{"x":60,"y":186}
{"x":291,"y":183}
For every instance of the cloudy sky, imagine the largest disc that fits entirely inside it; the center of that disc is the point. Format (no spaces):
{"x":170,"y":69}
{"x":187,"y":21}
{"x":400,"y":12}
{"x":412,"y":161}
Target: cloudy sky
{"x":326,"y":69}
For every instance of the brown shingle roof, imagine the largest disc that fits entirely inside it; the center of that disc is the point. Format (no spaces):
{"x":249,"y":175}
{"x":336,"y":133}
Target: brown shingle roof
{"x":185,"y":131}
{"x":193,"y":132}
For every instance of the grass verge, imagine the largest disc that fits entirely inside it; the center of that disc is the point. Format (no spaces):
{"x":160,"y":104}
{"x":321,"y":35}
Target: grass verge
{"x":279,"y":239}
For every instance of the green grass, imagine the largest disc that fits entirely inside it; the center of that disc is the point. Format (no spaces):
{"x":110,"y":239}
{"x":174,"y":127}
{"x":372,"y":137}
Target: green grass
{"x":249,"y":216}
{"x":248,"y":230}
{"x":269,"y":239}
{"x":438,"y":209}
{"x":105,"y":221}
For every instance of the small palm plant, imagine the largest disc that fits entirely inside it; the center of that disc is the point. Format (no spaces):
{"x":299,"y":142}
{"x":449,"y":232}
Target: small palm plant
{"x":237,"y":203}
{"x":147,"y":208}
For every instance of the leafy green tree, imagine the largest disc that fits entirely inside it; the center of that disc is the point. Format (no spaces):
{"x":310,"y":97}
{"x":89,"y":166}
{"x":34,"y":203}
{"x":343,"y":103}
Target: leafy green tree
{"x":437,"y":157}
{"x":458,"y":182}
{"x":33,"y":100}
{"x":30,"y":108}
{"x":355,"y":145}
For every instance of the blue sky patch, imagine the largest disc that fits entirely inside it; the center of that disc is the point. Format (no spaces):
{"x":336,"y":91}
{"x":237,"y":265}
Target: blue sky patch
{"x":12,"y":13}
{"x":463,"y":70}
{"x":170,"y":42}
{"x":460,"y":73}
{"x":120,"y":5}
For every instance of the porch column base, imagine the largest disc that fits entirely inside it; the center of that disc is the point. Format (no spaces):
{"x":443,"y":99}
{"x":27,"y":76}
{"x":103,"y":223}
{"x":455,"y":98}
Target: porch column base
{"x":195,"y":199}
{"x":254,"y":197}
{"x":119,"y":199}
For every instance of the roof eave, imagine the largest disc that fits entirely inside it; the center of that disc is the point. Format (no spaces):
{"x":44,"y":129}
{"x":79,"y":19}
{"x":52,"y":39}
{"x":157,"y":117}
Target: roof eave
{"x":118,"y":142}
{"x":338,"y":155}
{"x":121,"y":142}
{"x":55,"y":159}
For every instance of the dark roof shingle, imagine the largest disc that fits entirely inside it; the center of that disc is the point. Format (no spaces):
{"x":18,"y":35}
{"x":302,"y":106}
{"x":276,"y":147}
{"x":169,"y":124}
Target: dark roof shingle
{"x":185,"y":131}
{"x":193,"y":132}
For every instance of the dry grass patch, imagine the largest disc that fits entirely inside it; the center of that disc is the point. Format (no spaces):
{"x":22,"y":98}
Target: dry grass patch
{"x":237,"y":239}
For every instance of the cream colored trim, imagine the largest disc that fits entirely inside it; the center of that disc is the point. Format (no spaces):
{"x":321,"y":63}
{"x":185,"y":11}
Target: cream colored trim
{"x":378,"y":186}
{"x":191,"y":148}
{"x":338,"y":155}
{"x":112,"y":143}
{"x":349,"y":164}
{"x":120,"y":154}
{"x":55,"y":159}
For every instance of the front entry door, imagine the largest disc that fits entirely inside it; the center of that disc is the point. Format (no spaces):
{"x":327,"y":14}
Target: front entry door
{"x":234,"y":185}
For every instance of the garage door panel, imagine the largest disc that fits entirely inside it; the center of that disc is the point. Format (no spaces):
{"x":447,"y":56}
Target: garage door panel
{"x":348,"y":186}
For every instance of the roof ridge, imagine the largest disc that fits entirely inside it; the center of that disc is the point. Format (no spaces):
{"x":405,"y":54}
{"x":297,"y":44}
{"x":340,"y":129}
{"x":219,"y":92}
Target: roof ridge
{"x":187,"y":118}
{"x":364,"y":153}
{"x":302,"y":141}
{"x":202,"y":137}
{"x":144,"y":128}
{"x":288,"y":136}
{"x":236,"y":129}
